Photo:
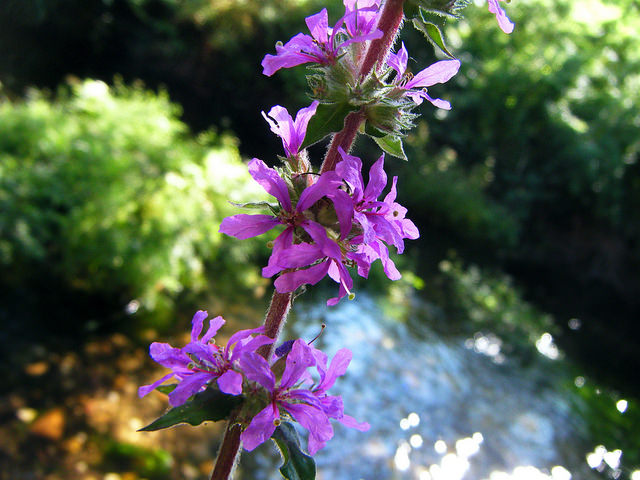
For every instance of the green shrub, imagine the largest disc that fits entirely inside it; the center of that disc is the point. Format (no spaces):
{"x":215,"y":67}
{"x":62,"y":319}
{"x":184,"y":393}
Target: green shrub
{"x":104,"y":192}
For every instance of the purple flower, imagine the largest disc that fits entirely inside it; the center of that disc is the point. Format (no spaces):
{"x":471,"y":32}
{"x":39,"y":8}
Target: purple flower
{"x":415,"y":87}
{"x":361,"y":19}
{"x":311,"y":408}
{"x":375,"y":224}
{"x":293,"y":217}
{"x":319,"y":261}
{"x":504,"y":23}
{"x":291,"y":132}
{"x":323,"y":46}
{"x":201,"y":360}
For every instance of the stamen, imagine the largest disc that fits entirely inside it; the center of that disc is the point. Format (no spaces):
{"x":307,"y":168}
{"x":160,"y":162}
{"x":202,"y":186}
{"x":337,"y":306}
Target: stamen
{"x":322,"y":327}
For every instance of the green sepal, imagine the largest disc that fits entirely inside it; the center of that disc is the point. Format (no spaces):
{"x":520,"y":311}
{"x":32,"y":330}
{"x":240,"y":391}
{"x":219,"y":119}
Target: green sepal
{"x":433,"y":33}
{"x":391,"y":144}
{"x":329,"y":118}
{"x":297,"y":464}
{"x":373,"y":132}
{"x":167,"y":389}
{"x":210,"y":405}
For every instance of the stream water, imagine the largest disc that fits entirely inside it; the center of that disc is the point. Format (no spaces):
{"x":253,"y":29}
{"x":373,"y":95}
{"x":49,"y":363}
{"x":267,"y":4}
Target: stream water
{"x":449,"y":408}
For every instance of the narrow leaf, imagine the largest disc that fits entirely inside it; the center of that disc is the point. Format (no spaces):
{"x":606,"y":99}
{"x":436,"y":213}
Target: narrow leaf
{"x":297,"y":464}
{"x":212,"y":405}
{"x":329,"y":118}
{"x":433,"y":33}
{"x":167,"y":389}
{"x":392,"y":145}
{"x":254,"y":205}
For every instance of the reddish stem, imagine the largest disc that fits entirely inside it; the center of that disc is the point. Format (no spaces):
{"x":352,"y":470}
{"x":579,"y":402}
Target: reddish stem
{"x":229,"y":453}
{"x":390,"y":21}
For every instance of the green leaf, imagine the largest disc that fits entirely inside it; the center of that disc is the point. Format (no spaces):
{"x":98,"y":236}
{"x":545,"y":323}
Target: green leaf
{"x":433,"y":34}
{"x":297,"y":464}
{"x":329,"y":118}
{"x":373,"y":132}
{"x":255,"y":205}
{"x":392,"y":144}
{"x":210,"y":405}
{"x":167,"y":389}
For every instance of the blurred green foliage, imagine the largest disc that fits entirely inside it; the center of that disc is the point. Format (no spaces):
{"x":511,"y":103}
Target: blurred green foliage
{"x":103,"y":191}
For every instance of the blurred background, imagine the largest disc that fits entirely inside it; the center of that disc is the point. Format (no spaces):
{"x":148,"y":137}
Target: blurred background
{"x":509,"y":350}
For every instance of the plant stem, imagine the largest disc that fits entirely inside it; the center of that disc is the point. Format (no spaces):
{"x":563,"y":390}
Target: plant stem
{"x":229,"y":453}
{"x":389,"y":22}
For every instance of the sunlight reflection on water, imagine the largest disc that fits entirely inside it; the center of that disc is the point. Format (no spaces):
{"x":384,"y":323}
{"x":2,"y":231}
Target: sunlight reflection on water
{"x":416,"y":389}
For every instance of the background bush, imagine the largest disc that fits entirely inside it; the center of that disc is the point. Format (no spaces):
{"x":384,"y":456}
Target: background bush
{"x":104,"y":192}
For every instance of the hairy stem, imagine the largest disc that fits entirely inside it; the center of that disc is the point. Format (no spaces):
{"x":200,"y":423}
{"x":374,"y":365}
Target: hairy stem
{"x":229,"y":453}
{"x":389,"y":22}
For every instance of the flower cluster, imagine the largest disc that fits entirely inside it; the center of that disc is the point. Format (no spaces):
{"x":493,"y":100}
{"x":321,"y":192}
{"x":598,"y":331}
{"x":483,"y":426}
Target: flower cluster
{"x":201,"y":361}
{"x":239,"y":369}
{"x":296,"y":395}
{"x":326,"y":44}
{"x":331,"y":220}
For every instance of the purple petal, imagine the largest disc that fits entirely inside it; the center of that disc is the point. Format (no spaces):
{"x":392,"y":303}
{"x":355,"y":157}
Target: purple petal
{"x":337,"y":368}
{"x":281,"y":244}
{"x":302,"y":122}
{"x":351,"y":422}
{"x":214,"y":326}
{"x":245,"y":226}
{"x":251,"y":346}
{"x":241,"y":334}
{"x":319,"y":26}
{"x":269,"y":179}
{"x":168,"y":356}
{"x":299,"y":359}
{"x":189,"y":386}
{"x":197,"y":322}
{"x":288,"y":282}
{"x":349,"y":169}
{"x":391,"y":196}
{"x":504,"y":23}
{"x":343,"y":205}
{"x":300,"y":255}
{"x":256,"y":368}
{"x":439,"y":72}
{"x":398,"y":61}
{"x":230,"y":382}
{"x":145,"y":389}
{"x":377,"y":180}
{"x":327,"y":182}
{"x":281,"y":123}
{"x":297,"y":51}
{"x":314,"y":420}
{"x":261,"y":428}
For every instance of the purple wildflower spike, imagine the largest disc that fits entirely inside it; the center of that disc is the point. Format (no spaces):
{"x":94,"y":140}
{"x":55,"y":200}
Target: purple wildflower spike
{"x":201,"y":361}
{"x":504,"y":23}
{"x":439,"y":72}
{"x":292,"y":132}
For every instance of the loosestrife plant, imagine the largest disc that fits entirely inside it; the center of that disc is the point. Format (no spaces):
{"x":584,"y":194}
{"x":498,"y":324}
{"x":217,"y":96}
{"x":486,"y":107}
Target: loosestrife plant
{"x":331,"y":222}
